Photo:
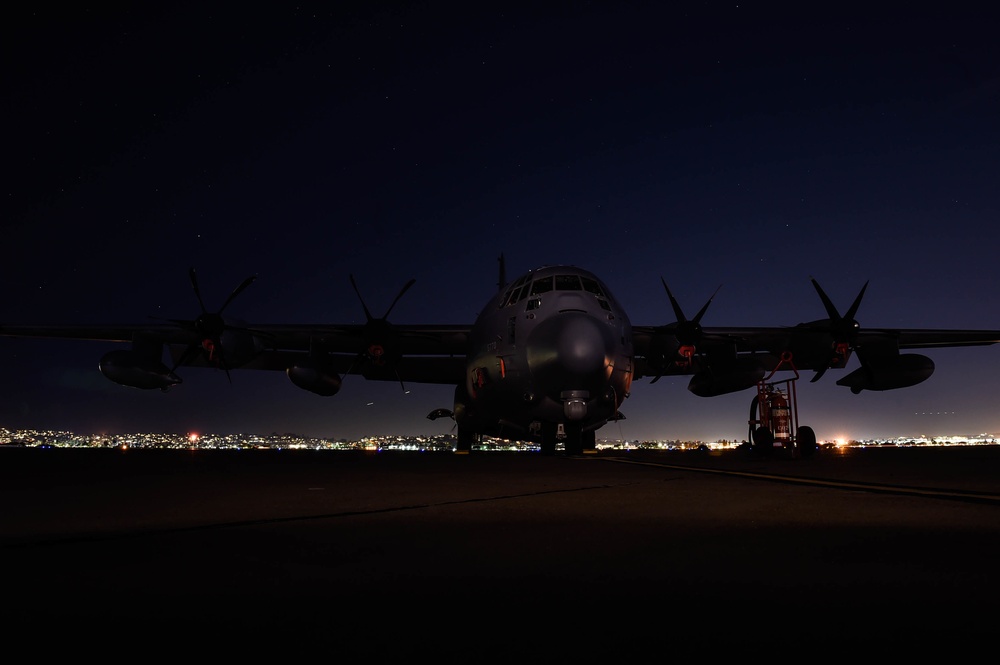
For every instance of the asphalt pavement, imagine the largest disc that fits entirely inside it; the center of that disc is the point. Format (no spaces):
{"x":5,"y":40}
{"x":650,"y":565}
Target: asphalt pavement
{"x":497,"y":557}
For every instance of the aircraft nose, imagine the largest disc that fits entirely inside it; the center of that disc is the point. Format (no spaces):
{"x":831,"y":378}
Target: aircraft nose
{"x":569,"y":350}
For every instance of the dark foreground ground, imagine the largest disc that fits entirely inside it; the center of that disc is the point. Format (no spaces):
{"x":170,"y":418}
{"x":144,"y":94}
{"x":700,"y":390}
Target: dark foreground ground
{"x":500,"y":557}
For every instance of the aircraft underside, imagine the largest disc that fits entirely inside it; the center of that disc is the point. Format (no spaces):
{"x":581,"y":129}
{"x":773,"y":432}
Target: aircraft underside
{"x":547,"y":422}
{"x":573,"y":438}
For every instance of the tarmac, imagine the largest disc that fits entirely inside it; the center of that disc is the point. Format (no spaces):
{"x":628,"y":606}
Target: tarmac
{"x":495,"y":557}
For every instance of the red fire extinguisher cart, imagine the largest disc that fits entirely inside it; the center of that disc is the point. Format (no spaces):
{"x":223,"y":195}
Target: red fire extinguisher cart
{"x":774,"y":417}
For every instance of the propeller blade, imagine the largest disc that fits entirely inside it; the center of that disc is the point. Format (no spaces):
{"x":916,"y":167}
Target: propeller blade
{"x":701,"y":312}
{"x":401,"y":292}
{"x":189,"y":352}
{"x":678,"y":314}
{"x":226,"y":368}
{"x":210,"y":326}
{"x":840,"y":324}
{"x":368,"y":315}
{"x":843,"y":329}
{"x":197,"y":292}
{"x":688,"y":333}
{"x":831,"y":311}
{"x":237,"y":291}
{"x":381,"y":338}
{"x":351,"y":367}
{"x":857,"y":302}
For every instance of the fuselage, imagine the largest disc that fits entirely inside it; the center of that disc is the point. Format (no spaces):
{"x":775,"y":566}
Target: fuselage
{"x":550,"y":354}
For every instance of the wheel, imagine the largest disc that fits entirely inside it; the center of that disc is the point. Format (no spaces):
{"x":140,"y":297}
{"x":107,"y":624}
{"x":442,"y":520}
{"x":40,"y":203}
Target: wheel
{"x":763,"y":440}
{"x":806,"y":439}
{"x":753,"y":416}
{"x":574,"y":440}
{"x":466,"y":438}
{"x":548,"y":439}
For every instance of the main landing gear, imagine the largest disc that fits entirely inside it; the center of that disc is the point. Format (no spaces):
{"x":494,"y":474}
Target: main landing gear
{"x":575,"y":440}
{"x":774,"y":418}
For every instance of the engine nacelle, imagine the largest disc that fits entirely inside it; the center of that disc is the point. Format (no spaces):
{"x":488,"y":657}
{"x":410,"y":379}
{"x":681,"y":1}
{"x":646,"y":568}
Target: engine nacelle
{"x":889,"y":373}
{"x":663,"y":352}
{"x":130,"y":368}
{"x":314,"y":380}
{"x":239,"y":346}
{"x":730,"y":378}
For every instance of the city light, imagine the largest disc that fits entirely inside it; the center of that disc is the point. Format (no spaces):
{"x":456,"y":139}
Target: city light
{"x":423,"y":443}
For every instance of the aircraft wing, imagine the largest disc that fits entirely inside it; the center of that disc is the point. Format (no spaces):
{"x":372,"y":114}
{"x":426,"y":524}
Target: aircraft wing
{"x":417,"y":353}
{"x":107,"y":333}
{"x":408,"y":339}
{"x":775,"y":340}
{"x":447,"y":370}
{"x":406,"y":353}
{"x":918,"y":338}
{"x":723,"y":360}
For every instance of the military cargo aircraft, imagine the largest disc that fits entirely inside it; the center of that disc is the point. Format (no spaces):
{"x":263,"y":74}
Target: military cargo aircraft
{"x":550,"y":359}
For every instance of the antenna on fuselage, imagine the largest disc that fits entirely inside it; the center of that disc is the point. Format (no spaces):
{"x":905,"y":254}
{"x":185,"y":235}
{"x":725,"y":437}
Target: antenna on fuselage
{"x":502,"y":279}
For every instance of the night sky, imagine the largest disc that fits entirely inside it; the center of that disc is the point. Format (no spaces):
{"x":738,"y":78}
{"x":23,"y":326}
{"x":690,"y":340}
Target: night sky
{"x":710,"y":144}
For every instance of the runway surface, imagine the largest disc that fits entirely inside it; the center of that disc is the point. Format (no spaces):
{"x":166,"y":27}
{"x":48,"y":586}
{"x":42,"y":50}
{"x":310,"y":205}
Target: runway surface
{"x":493,"y":557}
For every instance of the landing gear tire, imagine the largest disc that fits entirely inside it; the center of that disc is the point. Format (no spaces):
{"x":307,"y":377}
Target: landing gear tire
{"x":466,"y":438}
{"x":806,"y":441}
{"x":548,"y":439}
{"x":574,"y":440}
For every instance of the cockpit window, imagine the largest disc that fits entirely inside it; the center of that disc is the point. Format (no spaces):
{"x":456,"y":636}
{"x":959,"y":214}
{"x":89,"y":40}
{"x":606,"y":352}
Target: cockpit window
{"x":541,"y":285}
{"x":591,"y":286}
{"x":524,"y":287}
{"x":516,"y":291}
{"x":567,"y":283}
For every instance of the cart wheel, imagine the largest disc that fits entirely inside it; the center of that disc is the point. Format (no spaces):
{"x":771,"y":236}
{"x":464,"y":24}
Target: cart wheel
{"x":806,"y":441}
{"x":753,"y":416}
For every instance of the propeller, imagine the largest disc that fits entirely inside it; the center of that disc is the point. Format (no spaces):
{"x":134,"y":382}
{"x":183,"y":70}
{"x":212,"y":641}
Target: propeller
{"x":844,"y":329}
{"x":687,"y":332}
{"x":380,"y":336}
{"x":210,"y":326}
